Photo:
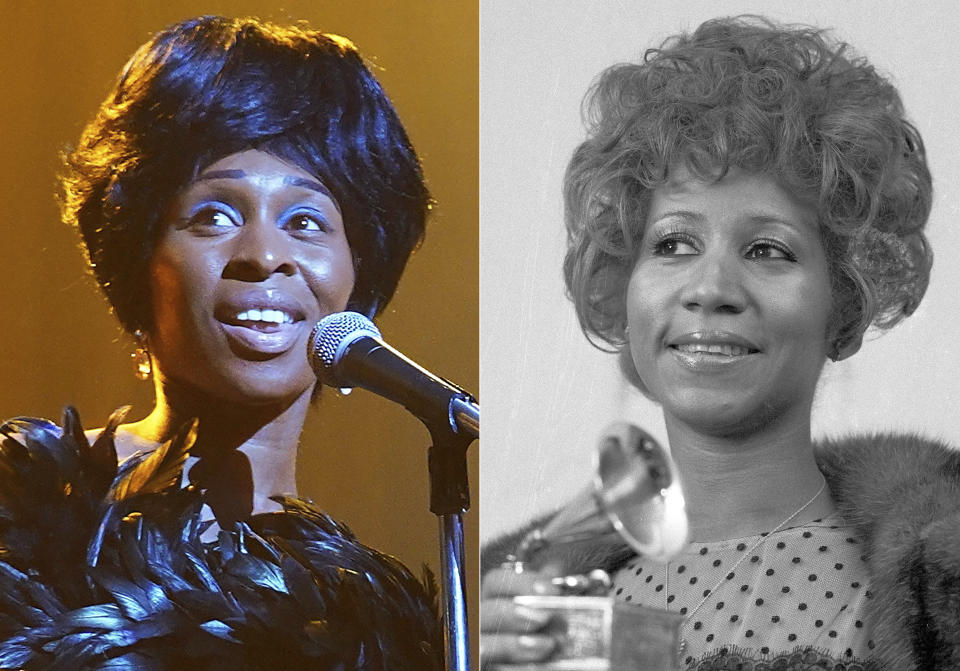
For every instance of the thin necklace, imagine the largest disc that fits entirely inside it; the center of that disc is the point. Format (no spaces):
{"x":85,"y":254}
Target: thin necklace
{"x":729,"y":576}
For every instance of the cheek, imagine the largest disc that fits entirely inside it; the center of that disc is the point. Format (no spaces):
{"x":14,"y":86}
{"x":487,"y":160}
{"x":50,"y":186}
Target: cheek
{"x":343,"y":278}
{"x":179,"y":279}
{"x":634,"y":307}
{"x":331,"y":278}
{"x":182,"y":285}
{"x":806,"y":313}
{"x":169,"y":292}
{"x":641,"y":310}
{"x":646,"y":299}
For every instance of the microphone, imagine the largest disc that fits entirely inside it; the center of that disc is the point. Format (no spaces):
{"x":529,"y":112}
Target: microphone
{"x":347,"y":350}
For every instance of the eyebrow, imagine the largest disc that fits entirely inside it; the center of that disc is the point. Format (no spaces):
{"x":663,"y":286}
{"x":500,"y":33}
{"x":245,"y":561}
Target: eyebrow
{"x":752,"y":217}
{"x":289,"y":180}
{"x":680,"y":214}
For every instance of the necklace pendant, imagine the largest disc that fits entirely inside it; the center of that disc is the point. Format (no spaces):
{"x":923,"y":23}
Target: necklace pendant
{"x":681,"y":649}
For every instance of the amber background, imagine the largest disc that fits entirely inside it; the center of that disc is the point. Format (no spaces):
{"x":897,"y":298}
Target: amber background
{"x":362,"y":458}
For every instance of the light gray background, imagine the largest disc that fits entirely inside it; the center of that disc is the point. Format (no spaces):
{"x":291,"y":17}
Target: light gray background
{"x":547,"y":394}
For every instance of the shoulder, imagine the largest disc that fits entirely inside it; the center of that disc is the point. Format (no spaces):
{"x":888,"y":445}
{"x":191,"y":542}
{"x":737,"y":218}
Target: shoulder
{"x":902,"y":492}
{"x":886,"y":457}
{"x":85,"y":543}
{"x":883,"y":477}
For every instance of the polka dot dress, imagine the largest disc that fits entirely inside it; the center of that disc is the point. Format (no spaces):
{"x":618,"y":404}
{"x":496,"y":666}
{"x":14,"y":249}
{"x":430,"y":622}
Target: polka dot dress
{"x":803,"y":588}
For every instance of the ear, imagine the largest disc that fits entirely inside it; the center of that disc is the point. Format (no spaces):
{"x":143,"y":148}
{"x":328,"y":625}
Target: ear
{"x":844,"y":350}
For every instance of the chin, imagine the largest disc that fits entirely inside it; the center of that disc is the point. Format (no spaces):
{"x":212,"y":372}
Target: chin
{"x":241,"y":388}
{"x":268,"y":392}
{"x":277,"y":378}
{"x":720,"y":414}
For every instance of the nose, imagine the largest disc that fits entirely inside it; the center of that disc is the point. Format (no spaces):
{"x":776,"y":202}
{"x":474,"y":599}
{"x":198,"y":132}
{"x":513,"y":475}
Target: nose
{"x":714,"y":283}
{"x":260,"y":250}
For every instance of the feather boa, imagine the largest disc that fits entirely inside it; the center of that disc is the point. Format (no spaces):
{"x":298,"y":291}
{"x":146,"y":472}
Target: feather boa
{"x":102,"y":567}
{"x":903,"y":493}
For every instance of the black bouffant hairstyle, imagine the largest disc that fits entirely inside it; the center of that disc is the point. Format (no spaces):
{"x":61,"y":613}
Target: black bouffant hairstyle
{"x":209,"y":87}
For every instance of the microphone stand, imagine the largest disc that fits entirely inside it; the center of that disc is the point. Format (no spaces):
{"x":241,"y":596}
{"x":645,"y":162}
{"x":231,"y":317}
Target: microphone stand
{"x":449,"y":499}
{"x":376,"y":366}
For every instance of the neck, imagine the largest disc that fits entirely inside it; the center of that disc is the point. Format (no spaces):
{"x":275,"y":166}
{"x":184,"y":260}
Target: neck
{"x":243,"y":454}
{"x":737,"y":486}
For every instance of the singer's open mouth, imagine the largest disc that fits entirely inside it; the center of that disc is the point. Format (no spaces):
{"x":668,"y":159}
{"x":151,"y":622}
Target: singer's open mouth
{"x":261,"y":324}
{"x":265,"y":320}
{"x":260,"y":341}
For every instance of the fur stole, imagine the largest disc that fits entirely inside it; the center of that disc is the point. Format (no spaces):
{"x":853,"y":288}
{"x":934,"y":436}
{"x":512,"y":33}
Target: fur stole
{"x":102,"y":567}
{"x":902,"y":492}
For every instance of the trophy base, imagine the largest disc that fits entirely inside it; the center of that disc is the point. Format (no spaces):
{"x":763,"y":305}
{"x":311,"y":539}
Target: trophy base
{"x":596,"y":633}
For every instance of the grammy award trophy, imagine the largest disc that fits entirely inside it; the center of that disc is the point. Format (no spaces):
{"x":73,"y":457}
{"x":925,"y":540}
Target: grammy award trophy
{"x":635,"y":496}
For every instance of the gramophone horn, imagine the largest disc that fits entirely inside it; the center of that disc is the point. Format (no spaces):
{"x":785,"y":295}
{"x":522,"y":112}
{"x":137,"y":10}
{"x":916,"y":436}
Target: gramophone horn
{"x":635,"y":493}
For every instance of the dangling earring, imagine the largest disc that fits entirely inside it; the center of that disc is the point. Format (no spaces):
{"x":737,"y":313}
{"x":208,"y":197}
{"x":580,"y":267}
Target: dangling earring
{"x":141,"y":357}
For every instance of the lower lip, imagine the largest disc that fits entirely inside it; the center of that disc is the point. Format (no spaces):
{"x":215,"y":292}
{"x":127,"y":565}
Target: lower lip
{"x":269,"y":343}
{"x":704,"y":362}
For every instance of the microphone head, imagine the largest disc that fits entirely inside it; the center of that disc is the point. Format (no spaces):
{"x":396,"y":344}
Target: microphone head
{"x":331,"y":337}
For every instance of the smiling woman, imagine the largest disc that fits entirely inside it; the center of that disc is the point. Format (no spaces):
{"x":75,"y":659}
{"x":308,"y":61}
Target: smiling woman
{"x":728,"y":305}
{"x":254,"y":253}
{"x":240,"y":182}
{"x":749,"y":199}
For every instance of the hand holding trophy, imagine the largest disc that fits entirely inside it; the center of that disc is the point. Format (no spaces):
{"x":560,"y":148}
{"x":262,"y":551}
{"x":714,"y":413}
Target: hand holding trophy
{"x":562,"y":621}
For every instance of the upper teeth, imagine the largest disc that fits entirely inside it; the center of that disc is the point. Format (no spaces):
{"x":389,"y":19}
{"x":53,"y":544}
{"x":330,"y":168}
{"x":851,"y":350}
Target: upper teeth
{"x":274,"y":316}
{"x":725,"y":349}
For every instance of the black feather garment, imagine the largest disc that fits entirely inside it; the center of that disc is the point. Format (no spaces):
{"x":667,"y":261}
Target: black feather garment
{"x":102,"y":567}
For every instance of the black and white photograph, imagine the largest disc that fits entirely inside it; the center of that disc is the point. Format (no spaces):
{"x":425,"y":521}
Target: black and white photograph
{"x":717,"y":305}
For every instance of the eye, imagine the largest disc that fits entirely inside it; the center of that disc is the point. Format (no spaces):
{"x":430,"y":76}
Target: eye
{"x":674,"y":244}
{"x":212,"y":219}
{"x":307,"y":222}
{"x":769,"y":249}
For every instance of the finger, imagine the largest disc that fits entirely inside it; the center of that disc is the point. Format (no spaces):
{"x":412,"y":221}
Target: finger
{"x":503,"y":616}
{"x":515,"y":648}
{"x":506,"y":581}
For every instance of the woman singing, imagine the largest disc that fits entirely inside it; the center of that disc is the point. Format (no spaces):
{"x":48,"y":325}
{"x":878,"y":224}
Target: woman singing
{"x":241,"y":181}
{"x":749,"y":200}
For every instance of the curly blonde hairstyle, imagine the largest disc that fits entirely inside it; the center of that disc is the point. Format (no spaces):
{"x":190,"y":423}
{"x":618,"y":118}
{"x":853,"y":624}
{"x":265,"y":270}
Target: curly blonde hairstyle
{"x":751,"y":94}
